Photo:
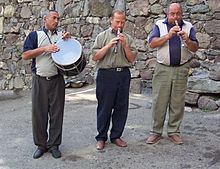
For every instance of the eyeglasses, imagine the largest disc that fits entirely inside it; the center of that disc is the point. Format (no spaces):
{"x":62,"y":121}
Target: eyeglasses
{"x":175,"y":14}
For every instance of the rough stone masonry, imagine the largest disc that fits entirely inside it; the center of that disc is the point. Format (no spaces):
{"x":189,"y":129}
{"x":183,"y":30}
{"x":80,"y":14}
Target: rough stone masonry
{"x":85,"y":19}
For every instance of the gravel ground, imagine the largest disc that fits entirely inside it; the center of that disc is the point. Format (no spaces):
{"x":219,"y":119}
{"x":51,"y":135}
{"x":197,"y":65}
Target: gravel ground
{"x":200,"y":131}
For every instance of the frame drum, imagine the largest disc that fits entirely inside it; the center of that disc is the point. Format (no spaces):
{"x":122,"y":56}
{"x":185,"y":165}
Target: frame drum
{"x":69,"y":59}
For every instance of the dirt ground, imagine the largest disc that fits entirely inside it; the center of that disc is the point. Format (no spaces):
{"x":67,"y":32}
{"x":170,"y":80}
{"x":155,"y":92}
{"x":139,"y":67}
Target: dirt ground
{"x":200,"y":131}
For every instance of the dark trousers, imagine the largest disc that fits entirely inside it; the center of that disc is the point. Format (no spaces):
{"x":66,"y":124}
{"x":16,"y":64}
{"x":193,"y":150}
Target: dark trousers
{"x":112,"y":92}
{"x":48,"y":98}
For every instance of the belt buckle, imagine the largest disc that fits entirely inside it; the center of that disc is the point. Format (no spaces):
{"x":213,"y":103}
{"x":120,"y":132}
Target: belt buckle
{"x":48,"y":78}
{"x":118,"y":69}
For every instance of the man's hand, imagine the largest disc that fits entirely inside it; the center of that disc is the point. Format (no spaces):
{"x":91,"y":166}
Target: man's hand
{"x":66,"y":35}
{"x":113,"y":42}
{"x":122,"y":39}
{"x":174,"y":31}
{"x":183,"y":35}
{"x":52,"y":48}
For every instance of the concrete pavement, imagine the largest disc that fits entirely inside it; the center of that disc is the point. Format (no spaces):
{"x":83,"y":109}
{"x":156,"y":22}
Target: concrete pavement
{"x":200,"y":130}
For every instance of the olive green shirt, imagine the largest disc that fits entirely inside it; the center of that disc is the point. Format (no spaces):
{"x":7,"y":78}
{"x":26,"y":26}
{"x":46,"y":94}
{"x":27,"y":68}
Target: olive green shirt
{"x":112,"y":59}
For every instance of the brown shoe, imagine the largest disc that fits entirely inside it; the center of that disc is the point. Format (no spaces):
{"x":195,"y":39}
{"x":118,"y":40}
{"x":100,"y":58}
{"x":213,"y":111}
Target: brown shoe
{"x":176,"y":139}
{"x":100,"y":145}
{"x":153,"y":138}
{"x":119,"y":142}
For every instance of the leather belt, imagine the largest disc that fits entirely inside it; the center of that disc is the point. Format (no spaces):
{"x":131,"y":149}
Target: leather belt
{"x":172,"y":65}
{"x":49,"y":77}
{"x":117,"y":69}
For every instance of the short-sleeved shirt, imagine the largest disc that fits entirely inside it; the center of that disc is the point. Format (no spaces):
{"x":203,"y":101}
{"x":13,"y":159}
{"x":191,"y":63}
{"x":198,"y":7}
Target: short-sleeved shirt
{"x":112,"y":59}
{"x":43,"y":64}
{"x":174,"y":45}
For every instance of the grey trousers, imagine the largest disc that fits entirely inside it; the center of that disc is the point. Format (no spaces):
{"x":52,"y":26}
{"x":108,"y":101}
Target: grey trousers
{"x":48,"y":98}
{"x":169,"y":87}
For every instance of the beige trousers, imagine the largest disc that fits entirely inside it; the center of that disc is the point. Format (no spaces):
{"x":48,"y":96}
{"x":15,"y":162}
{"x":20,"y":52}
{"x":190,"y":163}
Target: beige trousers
{"x":169,"y":87}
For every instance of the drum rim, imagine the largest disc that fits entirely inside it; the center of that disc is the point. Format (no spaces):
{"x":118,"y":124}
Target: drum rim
{"x":69,"y":39}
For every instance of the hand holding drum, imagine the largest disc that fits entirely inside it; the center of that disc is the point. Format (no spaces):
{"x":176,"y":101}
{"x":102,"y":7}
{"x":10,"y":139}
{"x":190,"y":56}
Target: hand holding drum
{"x":69,"y":59}
{"x":66,"y":35}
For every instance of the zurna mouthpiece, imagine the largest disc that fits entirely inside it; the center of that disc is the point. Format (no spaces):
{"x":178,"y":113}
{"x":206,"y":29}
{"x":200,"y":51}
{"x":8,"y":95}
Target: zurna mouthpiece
{"x":176,"y":23}
{"x":118,"y":31}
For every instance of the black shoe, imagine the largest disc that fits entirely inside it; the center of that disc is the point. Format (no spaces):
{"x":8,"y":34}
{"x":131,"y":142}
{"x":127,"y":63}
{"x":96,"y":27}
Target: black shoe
{"x":38,"y":153}
{"x":55,"y":152}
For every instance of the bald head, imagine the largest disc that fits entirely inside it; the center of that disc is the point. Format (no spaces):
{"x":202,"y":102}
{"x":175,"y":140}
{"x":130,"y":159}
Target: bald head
{"x":174,"y":6}
{"x":174,"y":13}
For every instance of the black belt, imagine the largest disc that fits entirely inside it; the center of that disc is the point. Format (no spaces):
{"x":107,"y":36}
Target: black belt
{"x":117,"y":69}
{"x":172,"y":65}
{"x":49,"y":77}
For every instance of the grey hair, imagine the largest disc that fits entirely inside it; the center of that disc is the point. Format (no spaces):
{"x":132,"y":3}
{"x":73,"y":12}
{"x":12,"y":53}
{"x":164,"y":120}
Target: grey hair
{"x":46,"y":13}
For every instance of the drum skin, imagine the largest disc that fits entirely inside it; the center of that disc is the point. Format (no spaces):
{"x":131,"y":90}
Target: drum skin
{"x":69,"y":59}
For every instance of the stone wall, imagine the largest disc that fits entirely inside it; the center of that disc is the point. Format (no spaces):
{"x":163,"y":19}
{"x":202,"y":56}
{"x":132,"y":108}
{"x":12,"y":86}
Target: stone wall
{"x":86,"y":18}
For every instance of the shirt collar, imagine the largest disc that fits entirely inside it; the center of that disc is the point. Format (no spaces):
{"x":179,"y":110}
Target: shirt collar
{"x":113,"y":31}
{"x":46,"y":30}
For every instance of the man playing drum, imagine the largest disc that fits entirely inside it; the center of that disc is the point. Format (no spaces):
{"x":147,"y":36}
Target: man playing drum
{"x":48,"y":87}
